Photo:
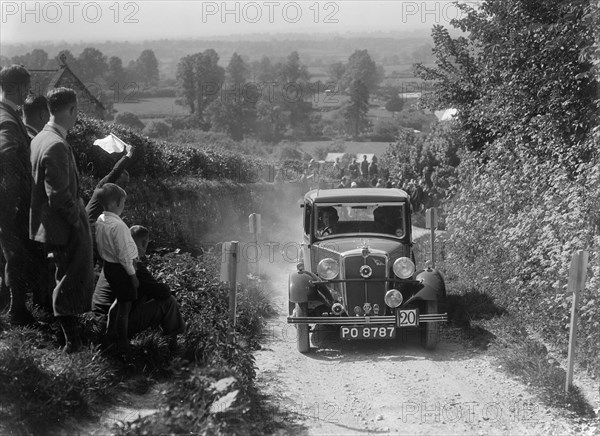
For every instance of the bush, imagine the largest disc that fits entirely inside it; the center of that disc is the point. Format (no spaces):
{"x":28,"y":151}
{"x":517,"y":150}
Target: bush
{"x":516,"y":238}
{"x":128,"y":119}
{"x":156,"y":159}
{"x":157,"y":129}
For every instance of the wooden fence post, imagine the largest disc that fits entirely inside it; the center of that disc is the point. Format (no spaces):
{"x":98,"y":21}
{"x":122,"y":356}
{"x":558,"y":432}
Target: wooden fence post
{"x":254,"y":224}
{"x":431,"y":223}
{"x":577,"y":276}
{"x":229,"y":260}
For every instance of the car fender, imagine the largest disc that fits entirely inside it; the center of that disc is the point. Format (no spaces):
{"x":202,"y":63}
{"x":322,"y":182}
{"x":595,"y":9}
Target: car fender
{"x":300,"y":287}
{"x":432,"y":286}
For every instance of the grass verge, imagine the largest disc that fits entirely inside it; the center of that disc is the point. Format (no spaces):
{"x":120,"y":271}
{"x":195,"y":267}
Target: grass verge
{"x":487,"y":326}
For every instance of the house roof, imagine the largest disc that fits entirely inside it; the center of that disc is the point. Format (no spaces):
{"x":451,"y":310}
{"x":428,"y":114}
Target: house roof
{"x":44,"y":80}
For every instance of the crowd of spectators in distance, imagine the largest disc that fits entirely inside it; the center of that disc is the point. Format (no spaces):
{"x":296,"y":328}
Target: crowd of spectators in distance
{"x":51,"y":241}
{"x":363,"y":174}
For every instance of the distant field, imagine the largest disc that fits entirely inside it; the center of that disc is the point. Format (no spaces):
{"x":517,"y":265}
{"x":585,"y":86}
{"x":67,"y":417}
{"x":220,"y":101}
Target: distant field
{"x":152,"y":107}
{"x":353,"y":147}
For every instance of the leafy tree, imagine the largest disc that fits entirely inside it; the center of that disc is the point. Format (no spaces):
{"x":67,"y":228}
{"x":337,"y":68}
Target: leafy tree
{"x":264,"y":70}
{"x":270,"y":121}
{"x":385,"y":129}
{"x":36,"y":60}
{"x":336,"y":72}
{"x":237,"y":72}
{"x":209,"y":77}
{"x":293,"y":90}
{"x":115,"y":75}
{"x":355,"y":111}
{"x":146,"y":67}
{"x":4,"y":61}
{"x":200,"y":79}
{"x":234,"y":113}
{"x":361,"y":67}
{"x":187,"y":82}
{"x":520,"y":72}
{"x":92,"y":65}
{"x":292,"y":71}
{"x":394,"y":102}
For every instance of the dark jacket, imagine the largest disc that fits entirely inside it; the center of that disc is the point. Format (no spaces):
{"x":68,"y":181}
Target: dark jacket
{"x":55,"y":202}
{"x":15,"y":167}
{"x":94,"y":209}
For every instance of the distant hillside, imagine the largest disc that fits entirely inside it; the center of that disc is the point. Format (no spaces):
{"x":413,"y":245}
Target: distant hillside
{"x":315,"y":50}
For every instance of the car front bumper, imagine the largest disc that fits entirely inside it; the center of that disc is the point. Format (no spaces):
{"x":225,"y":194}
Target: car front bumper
{"x":364,"y":320}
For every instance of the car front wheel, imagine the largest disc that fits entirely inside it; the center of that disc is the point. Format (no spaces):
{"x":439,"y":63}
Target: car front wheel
{"x":302,"y":330}
{"x":431,"y":330}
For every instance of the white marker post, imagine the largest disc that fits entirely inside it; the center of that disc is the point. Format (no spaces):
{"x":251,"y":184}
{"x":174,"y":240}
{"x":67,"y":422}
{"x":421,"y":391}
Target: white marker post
{"x":255,"y":228}
{"x":577,"y":276}
{"x":229,"y":255}
{"x":431,"y":222}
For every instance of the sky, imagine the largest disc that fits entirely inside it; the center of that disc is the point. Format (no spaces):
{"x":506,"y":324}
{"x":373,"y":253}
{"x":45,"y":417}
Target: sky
{"x":78,"y":21}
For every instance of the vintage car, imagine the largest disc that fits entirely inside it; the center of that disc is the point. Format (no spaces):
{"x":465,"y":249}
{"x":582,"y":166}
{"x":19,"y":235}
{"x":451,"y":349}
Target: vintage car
{"x":357,"y":269}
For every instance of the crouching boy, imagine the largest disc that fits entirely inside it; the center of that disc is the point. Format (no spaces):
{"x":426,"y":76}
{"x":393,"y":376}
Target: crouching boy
{"x":155,"y":306}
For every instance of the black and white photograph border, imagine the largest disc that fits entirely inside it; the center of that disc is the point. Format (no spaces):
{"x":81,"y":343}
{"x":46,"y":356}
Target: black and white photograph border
{"x":328,"y":217}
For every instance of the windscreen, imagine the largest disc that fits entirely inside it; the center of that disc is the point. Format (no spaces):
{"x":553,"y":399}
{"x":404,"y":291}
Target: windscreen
{"x":333,"y":220}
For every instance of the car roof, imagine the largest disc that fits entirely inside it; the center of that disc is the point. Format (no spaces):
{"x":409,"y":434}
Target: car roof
{"x":356,"y":195}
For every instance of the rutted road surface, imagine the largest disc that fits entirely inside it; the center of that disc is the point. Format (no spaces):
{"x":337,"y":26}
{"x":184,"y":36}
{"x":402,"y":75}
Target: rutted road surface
{"x":393,"y":386}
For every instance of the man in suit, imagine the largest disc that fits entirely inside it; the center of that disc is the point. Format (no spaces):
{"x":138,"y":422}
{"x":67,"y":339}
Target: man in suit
{"x":15,"y":191}
{"x":58,"y":218}
{"x":35,"y":114}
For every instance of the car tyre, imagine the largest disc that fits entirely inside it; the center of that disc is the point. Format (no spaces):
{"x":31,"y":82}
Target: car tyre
{"x":431,"y":330}
{"x":302,"y":330}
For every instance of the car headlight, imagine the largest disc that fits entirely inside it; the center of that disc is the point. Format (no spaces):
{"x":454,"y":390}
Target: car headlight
{"x":403,"y":267}
{"x":393,"y":298}
{"x":328,"y":269}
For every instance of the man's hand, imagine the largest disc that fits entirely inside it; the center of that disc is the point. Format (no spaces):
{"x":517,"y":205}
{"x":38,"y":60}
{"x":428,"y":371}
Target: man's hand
{"x":129,"y":150}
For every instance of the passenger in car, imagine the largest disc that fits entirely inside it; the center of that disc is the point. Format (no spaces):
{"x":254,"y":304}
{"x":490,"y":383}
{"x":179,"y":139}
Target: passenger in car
{"x":384,"y":220}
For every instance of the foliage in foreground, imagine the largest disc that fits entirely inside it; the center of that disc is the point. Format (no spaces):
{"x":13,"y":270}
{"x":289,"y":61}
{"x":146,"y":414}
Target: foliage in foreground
{"x":43,"y":390}
{"x":206,"y":357}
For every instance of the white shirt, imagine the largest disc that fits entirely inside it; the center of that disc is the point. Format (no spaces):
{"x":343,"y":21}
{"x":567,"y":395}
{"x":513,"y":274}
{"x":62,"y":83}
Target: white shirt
{"x":114,"y":241}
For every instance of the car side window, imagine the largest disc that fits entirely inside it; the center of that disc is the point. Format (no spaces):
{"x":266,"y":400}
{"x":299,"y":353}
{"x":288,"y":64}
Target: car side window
{"x":307,"y":217}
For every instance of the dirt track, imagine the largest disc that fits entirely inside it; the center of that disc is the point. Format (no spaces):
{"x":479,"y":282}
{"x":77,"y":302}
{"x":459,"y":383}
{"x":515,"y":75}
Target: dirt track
{"x":394,"y":386}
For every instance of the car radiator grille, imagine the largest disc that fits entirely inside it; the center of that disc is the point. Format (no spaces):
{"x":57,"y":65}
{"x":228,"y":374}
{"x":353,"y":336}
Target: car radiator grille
{"x":366,"y":290}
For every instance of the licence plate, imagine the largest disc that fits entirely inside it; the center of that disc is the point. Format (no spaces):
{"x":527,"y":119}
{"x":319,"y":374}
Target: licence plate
{"x":368,"y":332}
{"x":407,"y":317}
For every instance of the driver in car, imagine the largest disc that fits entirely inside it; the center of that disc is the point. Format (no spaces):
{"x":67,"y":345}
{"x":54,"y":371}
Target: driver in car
{"x":328,"y":218}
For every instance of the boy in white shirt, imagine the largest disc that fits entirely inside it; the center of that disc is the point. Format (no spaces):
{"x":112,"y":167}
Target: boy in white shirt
{"x":119,"y":252}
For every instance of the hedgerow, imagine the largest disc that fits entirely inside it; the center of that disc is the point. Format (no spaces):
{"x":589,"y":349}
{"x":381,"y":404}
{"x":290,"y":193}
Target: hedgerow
{"x":155,"y":158}
{"x":516,"y":224}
